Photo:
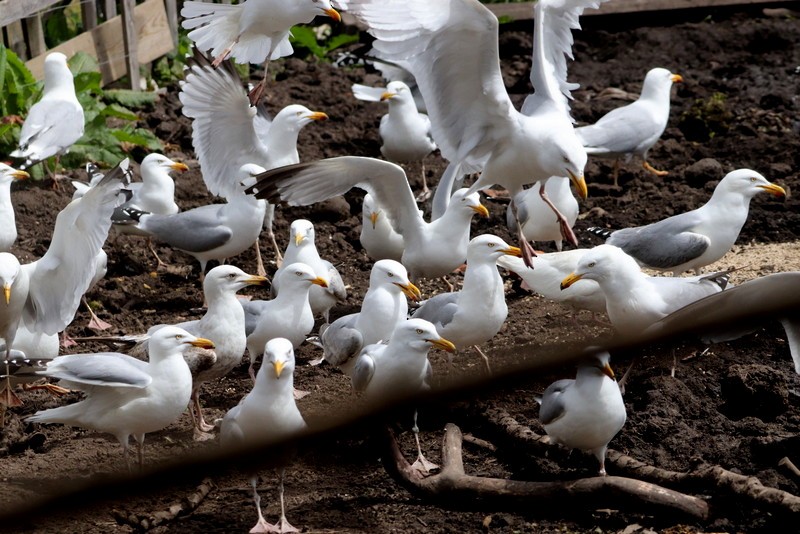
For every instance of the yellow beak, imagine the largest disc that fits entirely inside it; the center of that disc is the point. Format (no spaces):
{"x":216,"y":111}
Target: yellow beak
{"x":257,"y":280}
{"x":481,"y":210}
{"x":776,"y":190}
{"x":20,"y":175}
{"x":512,"y":251}
{"x":569,"y":280}
{"x":676,"y":78}
{"x":203,"y":343}
{"x":388,"y":95}
{"x":580,"y":184}
{"x":278,"y":367}
{"x":7,"y":292}
{"x":410,"y":290}
{"x":320,"y":282}
{"x":298,"y":238}
{"x":443,"y":344}
{"x":332,"y":13}
{"x":608,"y":371}
{"x":317,"y":116}
{"x":179,"y":167}
{"x":374,"y":218}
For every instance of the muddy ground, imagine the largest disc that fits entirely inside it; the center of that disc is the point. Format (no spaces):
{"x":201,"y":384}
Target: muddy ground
{"x":737,"y":107}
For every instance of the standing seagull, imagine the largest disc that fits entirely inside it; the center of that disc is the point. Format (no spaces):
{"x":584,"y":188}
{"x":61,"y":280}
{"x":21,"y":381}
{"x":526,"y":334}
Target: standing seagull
{"x":632,"y":130}
{"x":379,"y":239}
{"x":267,"y":413}
{"x":254,"y":31}
{"x":451,"y":48}
{"x":699,"y":237}
{"x":8,"y":222}
{"x":56,"y":121}
{"x":587,"y":412}
{"x":536,"y":218}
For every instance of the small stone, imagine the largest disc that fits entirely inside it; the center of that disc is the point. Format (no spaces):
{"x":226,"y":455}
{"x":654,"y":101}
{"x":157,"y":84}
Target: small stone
{"x":703,"y":171}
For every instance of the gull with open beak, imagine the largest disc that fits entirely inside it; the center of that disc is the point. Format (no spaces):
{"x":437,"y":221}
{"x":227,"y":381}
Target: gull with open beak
{"x":8,"y":223}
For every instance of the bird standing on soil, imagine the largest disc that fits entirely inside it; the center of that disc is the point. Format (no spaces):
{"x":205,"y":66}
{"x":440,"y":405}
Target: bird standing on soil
{"x":699,"y":237}
{"x":587,"y":412}
{"x":56,"y":121}
{"x":537,"y":220}
{"x":385,"y":372}
{"x":632,"y":130}
{"x":635,"y":300}
{"x":268,"y":413}
{"x":383,"y":308}
{"x":379,"y":239}
{"x":475,"y":314}
{"x":8,"y":223}
{"x":255,"y":31}
{"x":126,"y":396}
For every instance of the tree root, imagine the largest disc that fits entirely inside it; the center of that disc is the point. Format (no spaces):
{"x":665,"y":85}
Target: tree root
{"x":453,"y":486}
{"x":184,"y":507}
{"x":706,"y":479}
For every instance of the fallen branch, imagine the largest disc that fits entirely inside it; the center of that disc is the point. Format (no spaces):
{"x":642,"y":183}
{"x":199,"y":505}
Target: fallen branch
{"x":184,"y":507}
{"x":453,"y":486}
{"x":706,"y":479}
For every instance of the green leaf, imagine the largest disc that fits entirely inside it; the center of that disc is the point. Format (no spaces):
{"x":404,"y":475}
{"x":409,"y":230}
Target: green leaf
{"x":304,"y":37}
{"x":120,"y":112}
{"x":82,"y":62}
{"x":341,"y":39}
{"x":131,"y":99}
{"x":3,"y":63}
{"x":140,"y":137}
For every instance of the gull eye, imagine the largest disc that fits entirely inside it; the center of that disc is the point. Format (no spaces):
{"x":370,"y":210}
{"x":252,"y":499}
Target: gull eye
{"x":753,"y":179}
{"x":299,"y":113}
{"x":299,"y":273}
{"x":178,"y":336}
{"x":592,"y":264}
{"x":491,"y":245}
{"x":232,"y":276}
{"x":390,"y":274}
{"x":420,"y":331}
{"x":566,"y":159}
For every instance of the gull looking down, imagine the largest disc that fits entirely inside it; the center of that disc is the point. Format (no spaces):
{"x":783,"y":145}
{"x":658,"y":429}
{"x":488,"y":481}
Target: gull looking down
{"x":699,"y":237}
{"x":632,"y":130}
{"x":586,"y":412}
{"x":126,"y":396}
{"x":379,"y":239}
{"x":432,"y":250}
{"x":536,"y":218}
{"x":8,"y":223}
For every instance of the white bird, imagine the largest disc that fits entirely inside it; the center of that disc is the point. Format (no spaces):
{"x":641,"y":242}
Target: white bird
{"x":8,"y":222}
{"x":432,"y":250}
{"x":587,"y":412}
{"x":268,"y":413}
{"x":632,"y":130}
{"x":42,"y":297}
{"x":287,"y":315}
{"x":254,"y":31}
{"x":302,"y":248}
{"x":537,"y":220}
{"x":699,"y":237}
{"x":545,"y":277}
{"x":379,"y":239}
{"x":227,"y":132}
{"x":400,"y":368}
{"x":451,"y":48}
{"x":477,"y":312}
{"x":383,"y":307}
{"x":126,"y":396}
{"x":635,"y":300}
{"x":56,"y":121}
{"x":210,"y":232}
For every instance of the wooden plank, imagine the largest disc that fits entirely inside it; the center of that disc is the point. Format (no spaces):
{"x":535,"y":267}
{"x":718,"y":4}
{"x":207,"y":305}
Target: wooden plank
{"x":16,"y":39}
{"x":523,"y":11}
{"x":110,"y":9}
{"x":131,"y":42}
{"x":89,"y":14}
{"x":12,"y":10}
{"x":105,"y":42}
{"x":172,"y":18}
{"x":36,"y":42}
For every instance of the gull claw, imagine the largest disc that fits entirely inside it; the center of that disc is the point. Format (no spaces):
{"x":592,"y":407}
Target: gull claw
{"x":424,"y":466}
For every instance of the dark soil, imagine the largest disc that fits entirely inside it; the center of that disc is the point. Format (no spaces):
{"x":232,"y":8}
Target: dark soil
{"x":735,"y":406}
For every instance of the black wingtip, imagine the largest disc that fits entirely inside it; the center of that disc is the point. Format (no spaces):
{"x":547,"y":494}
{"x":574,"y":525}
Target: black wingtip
{"x":266,"y":186}
{"x":602,"y":232}
{"x":135,"y":213}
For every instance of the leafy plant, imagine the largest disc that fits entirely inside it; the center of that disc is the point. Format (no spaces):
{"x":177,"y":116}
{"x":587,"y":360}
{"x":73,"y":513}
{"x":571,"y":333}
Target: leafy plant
{"x":319,"y":41}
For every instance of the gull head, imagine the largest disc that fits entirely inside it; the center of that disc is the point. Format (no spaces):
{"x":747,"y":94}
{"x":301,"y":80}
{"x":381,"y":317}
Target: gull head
{"x":158,"y":162}
{"x":278,"y":359}
{"x":300,"y":275}
{"x":598,"y":364}
{"x":488,"y":248}
{"x":326,"y":8}
{"x":658,"y":82}
{"x":565,"y":156}
{"x":229,"y":279}
{"x":10,"y":174}
{"x":171,"y":340}
{"x":469,"y":203}
{"x":392,"y":274}
{"x":370,"y":211}
{"x":397,"y":91}
{"x":56,"y":73}
{"x":301,"y":233}
{"x":9,"y":270}
{"x":420,"y":335}
{"x":748,"y":183}
{"x":602,"y":263}
{"x":248,"y":174}
{"x":292,"y":118}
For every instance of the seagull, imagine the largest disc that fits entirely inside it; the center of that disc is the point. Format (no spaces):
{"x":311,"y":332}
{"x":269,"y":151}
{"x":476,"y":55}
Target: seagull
{"x":41,"y":297}
{"x":432,"y":250}
{"x":267,"y":413}
{"x":405,"y":132}
{"x":287,"y":315}
{"x":476,"y":313}
{"x":211,"y":232}
{"x":545,"y":277}
{"x":537,"y":220}
{"x":8,"y":223}
{"x":586,"y":412}
{"x":451,"y":49}
{"x":384,"y":306}
{"x":699,"y":237}
{"x":632,"y":130}
{"x":56,"y":121}
{"x":379,"y":239}
{"x":126,"y":396}
{"x":368,"y":57}
{"x":385,"y":372}
{"x":255,"y":31}
{"x":227,"y":132}
{"x":302,"y":249}
{"x":635,"y":300}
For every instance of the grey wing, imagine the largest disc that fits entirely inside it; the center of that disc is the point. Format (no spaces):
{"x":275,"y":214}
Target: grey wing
{"x":439,"y":309}
{"x":553,"y":406}
{"x":362,"y":372}
{"x":620,"y":131}
{"x":100,"y":369}
{"x":663,"y":244}
{"x":196,"y":230}
{"x":252,"y":311}
{"x":52,"y":123}
{"x":341,"y":341}
{"x":335,"y":283}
